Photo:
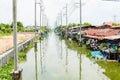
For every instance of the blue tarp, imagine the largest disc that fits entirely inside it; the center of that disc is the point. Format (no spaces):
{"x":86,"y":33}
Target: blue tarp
{"x":98,"y":54}
{"x":45,"y":35}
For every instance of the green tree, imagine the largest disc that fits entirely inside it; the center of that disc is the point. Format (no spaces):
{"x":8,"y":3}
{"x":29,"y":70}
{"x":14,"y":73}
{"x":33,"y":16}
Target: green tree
{"x":115,"y":24}
{"x":86,"y":24}
{"x":20,"y":26}
{"x":72,"y":25}
{"x":5,"y":28}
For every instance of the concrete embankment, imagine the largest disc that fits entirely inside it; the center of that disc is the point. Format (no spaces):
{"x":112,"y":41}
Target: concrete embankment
{"x":9,"y":53}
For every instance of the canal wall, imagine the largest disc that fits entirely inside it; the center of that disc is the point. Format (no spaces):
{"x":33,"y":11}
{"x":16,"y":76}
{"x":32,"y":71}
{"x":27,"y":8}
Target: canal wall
{"x":9,"y":54}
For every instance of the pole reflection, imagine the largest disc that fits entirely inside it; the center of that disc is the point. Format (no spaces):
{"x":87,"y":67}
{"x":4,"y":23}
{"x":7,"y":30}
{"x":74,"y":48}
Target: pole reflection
{"x":43,"y":45}
{"x":61,"y":51}
{"x":80,"y":65}
{"x":43,"y":55}
{"x":36,"y":68}
{"x":41,"y":58}
{"x":66,"y":63}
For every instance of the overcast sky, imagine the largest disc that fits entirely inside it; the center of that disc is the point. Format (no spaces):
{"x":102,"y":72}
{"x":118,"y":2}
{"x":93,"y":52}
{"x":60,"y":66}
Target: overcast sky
{"x":93,"y":11}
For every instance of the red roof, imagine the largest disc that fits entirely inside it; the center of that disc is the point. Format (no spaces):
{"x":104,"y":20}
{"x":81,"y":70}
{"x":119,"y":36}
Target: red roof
{"x":100,"y":33}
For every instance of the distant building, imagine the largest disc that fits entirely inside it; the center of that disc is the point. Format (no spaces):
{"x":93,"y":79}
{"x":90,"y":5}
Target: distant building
{"x":31,"y":27}
{"x":108,"y":23}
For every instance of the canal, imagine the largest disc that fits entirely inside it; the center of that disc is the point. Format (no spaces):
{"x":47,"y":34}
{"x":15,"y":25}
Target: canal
{"x":54,"y":61}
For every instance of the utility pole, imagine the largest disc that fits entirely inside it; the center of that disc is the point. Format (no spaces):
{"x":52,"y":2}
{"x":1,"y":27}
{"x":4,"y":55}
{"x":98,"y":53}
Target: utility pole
{"x":58,"y":19}
{"x":56,"y":23}
{"x":61,"y":18}
{"x":80,"y":40}
{"x":40,"y":3}
{"x":16,"y":73}
{"x":80,"y":20}
{"x":66,"y":18}
{"x":15,"y":34}
{"x":44,"y":19}
{"x":35,"y":42}
{"x":35,"y":20}
{"x":114,"y":17}
{"x":40,"y":11}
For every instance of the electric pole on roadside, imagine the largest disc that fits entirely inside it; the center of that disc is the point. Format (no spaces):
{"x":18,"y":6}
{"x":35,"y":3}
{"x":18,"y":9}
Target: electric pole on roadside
{"x":80,"y":21}
{"x":114,"y":18}
{"x":40,"y":3}
{"x":80,"y":40}
{"x":40,"y":11}
{"x":56,"y":23}
{"x":17,"y":72}
{"x":61,"y":17}
{"x":15,"y":34}
{"x":66,"y":18}
{"x":35,"y":21}
{"x":35,"y":42}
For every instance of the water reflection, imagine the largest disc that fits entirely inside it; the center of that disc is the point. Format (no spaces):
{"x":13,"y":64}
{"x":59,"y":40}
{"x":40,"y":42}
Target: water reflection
{"x":41,"y":62}
{"x":36,"y":63}
{"x":61,"y":50}
{"x":43,"y":45}
{"x":55,"y":61}
{"x":80,"y":65}
{"x":66,"y":62}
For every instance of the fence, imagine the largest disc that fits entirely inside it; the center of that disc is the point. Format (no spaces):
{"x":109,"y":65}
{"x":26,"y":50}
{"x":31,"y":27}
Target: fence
{"x":9,"y":54}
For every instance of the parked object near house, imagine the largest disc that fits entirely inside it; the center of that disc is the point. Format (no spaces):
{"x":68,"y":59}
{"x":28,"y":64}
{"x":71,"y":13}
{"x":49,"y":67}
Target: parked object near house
{"x":111,"y":49}
{"x":99,"y":55}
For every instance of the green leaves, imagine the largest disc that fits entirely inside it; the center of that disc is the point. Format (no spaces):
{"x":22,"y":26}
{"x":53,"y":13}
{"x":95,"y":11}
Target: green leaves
{"x":5,"y":71}
{"x":5,"y":28}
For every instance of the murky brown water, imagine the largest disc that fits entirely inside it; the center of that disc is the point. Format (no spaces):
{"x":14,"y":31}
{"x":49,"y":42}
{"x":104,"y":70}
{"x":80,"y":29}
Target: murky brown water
{"x":54,"y":61}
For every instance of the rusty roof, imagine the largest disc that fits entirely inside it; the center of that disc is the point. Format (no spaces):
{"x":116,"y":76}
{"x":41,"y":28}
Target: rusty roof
{"x":101,"y":33}
{"x":113,"y":37}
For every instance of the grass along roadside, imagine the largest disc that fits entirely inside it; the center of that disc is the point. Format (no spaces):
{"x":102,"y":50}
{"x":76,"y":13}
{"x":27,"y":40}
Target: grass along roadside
{"x":5,"y":34}
{"x":7,"y":68}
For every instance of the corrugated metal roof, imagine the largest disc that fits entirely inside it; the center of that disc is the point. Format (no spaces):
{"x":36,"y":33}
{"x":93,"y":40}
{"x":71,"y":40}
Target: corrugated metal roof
{"x":113,"y":37}
{"x":101,"y":33}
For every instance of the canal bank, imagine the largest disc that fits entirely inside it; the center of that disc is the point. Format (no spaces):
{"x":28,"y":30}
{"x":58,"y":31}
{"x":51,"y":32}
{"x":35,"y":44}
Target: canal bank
{"x":53,"y":60}
{"x":9,"y":54}
{"x":6,"y":69}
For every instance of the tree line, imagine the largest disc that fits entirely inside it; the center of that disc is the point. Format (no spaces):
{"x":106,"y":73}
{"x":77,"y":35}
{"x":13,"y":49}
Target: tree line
{"x":8,"y":28}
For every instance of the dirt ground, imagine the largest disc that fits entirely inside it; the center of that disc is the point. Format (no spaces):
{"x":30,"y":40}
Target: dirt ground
{"x":6,"y":42}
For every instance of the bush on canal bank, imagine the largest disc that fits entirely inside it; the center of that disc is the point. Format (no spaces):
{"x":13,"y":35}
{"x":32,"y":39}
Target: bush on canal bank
{"x":74,"y":46}
{"x":7,"y":68}
{"x":22,"y":56}
{"x":5,"y":71}
{"x":112,"y":69}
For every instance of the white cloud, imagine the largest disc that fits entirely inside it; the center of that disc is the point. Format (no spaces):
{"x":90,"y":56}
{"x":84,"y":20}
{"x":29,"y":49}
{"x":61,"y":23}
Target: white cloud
{"x":94,"y":11}
{"x":5,"y":11}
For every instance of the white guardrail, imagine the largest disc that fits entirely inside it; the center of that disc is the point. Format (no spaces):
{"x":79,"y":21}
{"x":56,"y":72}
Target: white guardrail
{"x":9,"y":54}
